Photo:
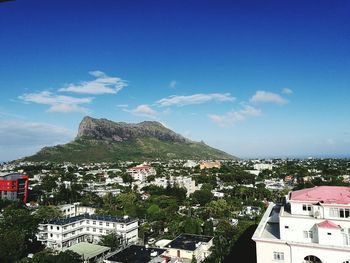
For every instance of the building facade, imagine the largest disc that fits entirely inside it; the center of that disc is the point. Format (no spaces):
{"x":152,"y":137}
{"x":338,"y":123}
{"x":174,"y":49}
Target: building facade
{"x":140,"y":173}
{"x":14,"y":187}
{"x":62,"y":233}
{"x":312,"y":226}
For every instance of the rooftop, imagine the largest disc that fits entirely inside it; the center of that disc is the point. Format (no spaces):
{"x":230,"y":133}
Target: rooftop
{"x":188,"y":241}
{"x":87,"y":250}
{"x":323,"y":194}
{"x":328,"y":224}
{"x":64,"y":221}
{"x":140,"y":167}
{"x":136,"y":254}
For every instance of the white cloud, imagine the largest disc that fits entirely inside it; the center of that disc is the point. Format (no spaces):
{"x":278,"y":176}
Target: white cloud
{"x":142,"y":110}
{"x":287,"y":91}
{"x":20,"y":138}
{"x":103,"y":84}
{"x":173,"y":84}
{"x":265,"y":96}
{"x":235,"y":116}
{"x":194,"y":99}
{"x":57,"y":103}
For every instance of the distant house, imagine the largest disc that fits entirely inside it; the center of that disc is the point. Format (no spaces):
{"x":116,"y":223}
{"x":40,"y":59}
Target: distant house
{"x":140,"y":173}
{"x":263,"y":166}
{"x":209,"y":165}
{"x":190,"y":164}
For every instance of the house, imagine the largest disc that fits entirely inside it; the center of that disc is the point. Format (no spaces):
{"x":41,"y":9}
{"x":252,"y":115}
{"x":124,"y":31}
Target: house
{"x":59,"y":234}
{"x":209,"y":165}
{"x":263,"y":166}
{"x":187,"y":246}
{"x":140,"y":173}
{"x":312,"y":226}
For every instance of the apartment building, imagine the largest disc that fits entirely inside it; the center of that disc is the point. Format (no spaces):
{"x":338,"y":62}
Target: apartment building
{"x":13,"y":187}
{"x":312,"y":226}
{"x":185,"y":182}
{"x":62,"y":233}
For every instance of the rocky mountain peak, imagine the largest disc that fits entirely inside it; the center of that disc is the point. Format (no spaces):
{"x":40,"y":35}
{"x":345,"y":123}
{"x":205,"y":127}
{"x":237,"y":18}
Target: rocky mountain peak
{"x":103,"y":129}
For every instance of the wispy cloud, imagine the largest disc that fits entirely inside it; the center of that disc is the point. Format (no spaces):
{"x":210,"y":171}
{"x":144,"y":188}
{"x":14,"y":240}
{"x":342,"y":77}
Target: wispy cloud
{"x":235,"y":116}
{"x":57,"y":103}
{"x":103,"y":84}
{"x":194,"y":99}
{"x":267,"y":97}
{"x":287,"y":91}
{"x":173,"y":84}
{"x":143,"y":110}
{"x":19,"y":138}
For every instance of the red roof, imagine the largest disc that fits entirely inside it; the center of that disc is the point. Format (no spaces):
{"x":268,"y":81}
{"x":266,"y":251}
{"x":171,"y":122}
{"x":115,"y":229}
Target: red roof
{"x":328,"y":224}
{"x":323,"y":194}
{"x":140,"y":167}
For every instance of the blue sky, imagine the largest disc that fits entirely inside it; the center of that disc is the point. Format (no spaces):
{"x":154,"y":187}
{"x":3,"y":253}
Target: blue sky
{"x":253,"y":78}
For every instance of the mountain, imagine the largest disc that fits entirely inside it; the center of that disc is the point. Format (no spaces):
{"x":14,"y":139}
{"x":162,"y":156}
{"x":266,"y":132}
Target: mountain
{"x":102,"y":140}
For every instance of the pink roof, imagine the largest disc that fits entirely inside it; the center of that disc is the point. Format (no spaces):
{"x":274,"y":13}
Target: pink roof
{"x":323,"y":194}
{"x":140,"y":167}
{"x":328,"y":224}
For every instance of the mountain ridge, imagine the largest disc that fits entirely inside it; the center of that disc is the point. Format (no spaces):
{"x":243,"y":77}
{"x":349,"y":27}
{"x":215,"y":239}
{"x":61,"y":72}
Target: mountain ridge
{"x":103,"y":140}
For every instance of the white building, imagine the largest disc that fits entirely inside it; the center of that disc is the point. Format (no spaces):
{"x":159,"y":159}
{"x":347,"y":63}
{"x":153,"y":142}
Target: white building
{"x":182,"y":181}
{"x":140,"y":173}
{"x":263,"y":166}
{"x":312,"y":227}
{"x":190,"y":164}
{"x":62,"y":233}
{"x":75,"y":209}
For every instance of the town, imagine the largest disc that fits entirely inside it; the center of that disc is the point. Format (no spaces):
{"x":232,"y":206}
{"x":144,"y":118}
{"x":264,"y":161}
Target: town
{"x":173,"y":211}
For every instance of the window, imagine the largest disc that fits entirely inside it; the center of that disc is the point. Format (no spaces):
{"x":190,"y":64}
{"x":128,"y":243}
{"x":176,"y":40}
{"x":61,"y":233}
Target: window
{"x":308,"y":234}
{"x":100,"y":230}
{"x":286,"y":227}
{"x":87,"y":228}
{"x":51,"y":235}
{"x":107,"y":224}
{"x":94,"y":222}
{"x":306,"y":207}
{"x":51,"y":227}
{"x":87,"y":221}
{"x":73,"y":225}
{"x":278,"y":256}
{"x":64,"y":228}
{"x":100,"y":223}
{"x":94,"y":229}
{"x":339,"y":212}
{"x":58,"y":228}
{"x":329,"y":234}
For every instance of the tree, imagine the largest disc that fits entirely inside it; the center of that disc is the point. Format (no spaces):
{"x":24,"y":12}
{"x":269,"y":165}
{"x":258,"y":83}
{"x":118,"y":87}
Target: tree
{"x":202,"y":196}
{"x":12,"y":245}
{"x":111,"y":240}
{"x":194,"y":260}
{"x":47,"y":213}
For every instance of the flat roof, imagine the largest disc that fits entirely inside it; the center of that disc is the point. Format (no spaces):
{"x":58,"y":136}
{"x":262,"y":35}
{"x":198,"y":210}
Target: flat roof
{"x":64,"y":221}
{"x":88,"y":250}
{"x":323,"y":194}
{"x":136,"y":254}
{"x":188,"y":241}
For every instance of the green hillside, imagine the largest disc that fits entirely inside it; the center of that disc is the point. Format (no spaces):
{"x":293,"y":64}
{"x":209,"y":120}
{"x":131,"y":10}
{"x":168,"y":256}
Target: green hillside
{"x":146,"y":148}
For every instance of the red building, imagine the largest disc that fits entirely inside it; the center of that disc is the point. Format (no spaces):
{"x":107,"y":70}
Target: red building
{"x":14,"y":187}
